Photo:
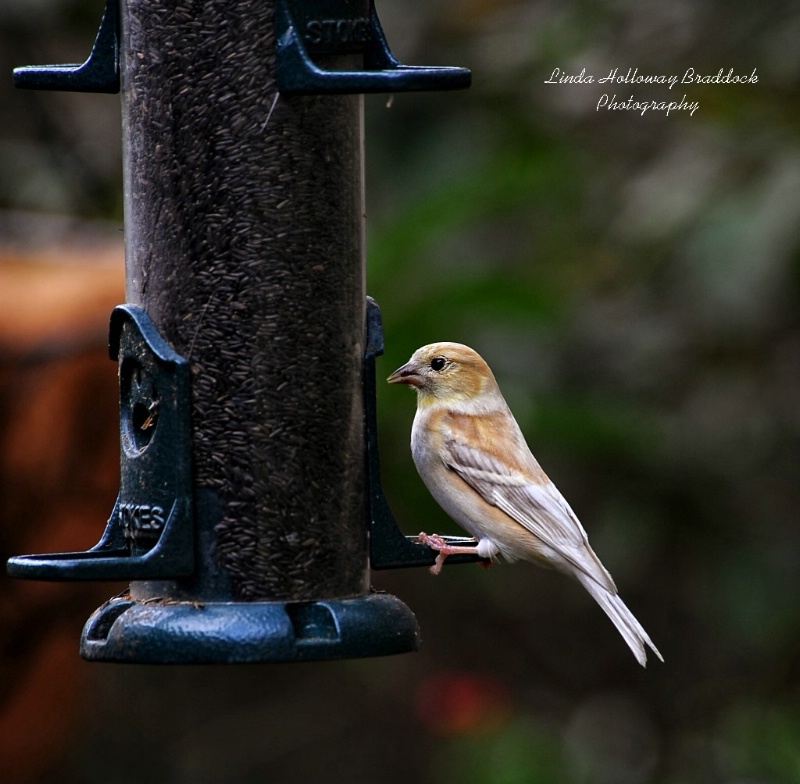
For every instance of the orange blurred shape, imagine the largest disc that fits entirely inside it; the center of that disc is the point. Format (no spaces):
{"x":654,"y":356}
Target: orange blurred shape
{"x":59,"y":475}
{"x":463,"y":703}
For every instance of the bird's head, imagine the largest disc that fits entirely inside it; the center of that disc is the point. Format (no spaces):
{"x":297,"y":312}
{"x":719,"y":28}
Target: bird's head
{"x":447,"y":372}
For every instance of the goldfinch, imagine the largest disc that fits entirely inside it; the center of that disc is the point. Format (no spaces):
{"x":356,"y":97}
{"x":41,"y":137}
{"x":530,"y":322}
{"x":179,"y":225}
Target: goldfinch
{"x":473,"y":458}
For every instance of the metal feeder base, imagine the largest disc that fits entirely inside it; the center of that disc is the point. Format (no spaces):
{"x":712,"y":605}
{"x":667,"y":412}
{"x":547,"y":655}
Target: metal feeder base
{"x":159,"y":632}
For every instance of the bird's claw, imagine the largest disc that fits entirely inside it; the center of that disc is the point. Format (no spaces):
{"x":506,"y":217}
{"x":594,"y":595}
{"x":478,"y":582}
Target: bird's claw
{"x":443,"y":549}
{"x":434,"y":541}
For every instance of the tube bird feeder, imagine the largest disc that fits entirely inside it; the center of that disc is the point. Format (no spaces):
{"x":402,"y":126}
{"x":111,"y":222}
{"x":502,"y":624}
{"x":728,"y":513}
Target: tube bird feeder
{"x":250,"y":504}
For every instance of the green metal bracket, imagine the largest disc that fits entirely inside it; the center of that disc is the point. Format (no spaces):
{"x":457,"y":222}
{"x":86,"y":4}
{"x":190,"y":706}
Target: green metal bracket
{"x":306,"y":29}
{"x":150,"y":533}
{"x":100,"y":72}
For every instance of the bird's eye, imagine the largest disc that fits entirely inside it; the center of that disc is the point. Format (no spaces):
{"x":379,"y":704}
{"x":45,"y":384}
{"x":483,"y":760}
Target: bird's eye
{"x":437,"y":363}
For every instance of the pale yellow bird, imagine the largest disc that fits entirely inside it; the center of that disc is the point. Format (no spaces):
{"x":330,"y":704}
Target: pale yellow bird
{"x":472,"y":456}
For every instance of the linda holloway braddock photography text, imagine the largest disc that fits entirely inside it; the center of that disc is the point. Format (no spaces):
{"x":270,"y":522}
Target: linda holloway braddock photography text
{"x":618,"y":78}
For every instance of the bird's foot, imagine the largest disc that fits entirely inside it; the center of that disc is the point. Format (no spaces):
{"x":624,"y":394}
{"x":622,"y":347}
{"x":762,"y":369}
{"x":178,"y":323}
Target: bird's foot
{"x":443,"y":549}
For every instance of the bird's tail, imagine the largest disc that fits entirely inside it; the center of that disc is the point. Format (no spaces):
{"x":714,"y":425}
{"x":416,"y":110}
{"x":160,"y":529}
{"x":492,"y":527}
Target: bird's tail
{"x":627,"y":625}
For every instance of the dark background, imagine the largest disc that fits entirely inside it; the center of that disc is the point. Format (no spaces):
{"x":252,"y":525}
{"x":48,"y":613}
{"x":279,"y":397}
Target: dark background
{"x":633,"y":281}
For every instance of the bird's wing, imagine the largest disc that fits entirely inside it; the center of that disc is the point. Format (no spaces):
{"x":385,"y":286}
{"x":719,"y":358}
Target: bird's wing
{"x":536,"y":505}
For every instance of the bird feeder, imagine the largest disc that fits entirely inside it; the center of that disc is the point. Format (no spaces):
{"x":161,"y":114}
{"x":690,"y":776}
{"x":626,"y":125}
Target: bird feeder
{"x":250,"y":507}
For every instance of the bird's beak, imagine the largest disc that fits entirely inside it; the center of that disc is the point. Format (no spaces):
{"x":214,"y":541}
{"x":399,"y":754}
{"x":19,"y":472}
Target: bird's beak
{"x":406,"y":375}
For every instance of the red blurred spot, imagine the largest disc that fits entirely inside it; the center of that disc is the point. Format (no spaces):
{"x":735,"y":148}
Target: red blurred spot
{"x":462,"y":703}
